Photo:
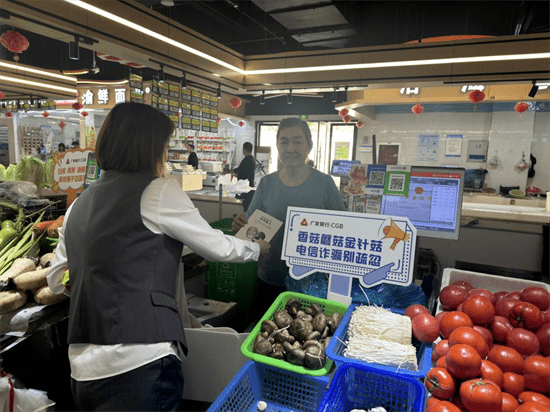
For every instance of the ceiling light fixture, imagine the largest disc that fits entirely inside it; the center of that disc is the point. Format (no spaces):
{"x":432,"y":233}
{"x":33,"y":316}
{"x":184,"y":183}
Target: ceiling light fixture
{"x":74,"y":49}
{"x":262,"y":98}
{"x":408,"y":63}
{"x":104,"y":82}
{"x":289,"y":97}
{"x":94,"y":69}
{"x":38,"y":84}
{"x":219,"y":90}
{"x":161,"y":73}
{"x":533,"y":91}
{"x":36,"y":71}
{"x":346,"y":93}
{"x":167,"y":3}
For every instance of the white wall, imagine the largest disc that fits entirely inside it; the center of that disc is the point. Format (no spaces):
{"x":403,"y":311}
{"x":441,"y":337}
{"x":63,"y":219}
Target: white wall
{"x":506,"y":132}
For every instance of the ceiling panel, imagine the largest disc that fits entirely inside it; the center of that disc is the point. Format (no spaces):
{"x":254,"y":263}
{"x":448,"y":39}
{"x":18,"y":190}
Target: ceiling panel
{"x":270,"y":5}
{"x":324,"y":35}
{"x":297,"y":20}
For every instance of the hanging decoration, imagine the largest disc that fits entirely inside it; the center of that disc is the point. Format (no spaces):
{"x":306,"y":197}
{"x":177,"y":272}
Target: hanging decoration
{"x":475,"y":97}
{"x":346,"y":119}
{"x":219,"y":119}
{"x":417,"y":109}
{"x":15,"y":42}
{"x":45,"y":114}
{"x":235,"y":102}
{"x":359,"y":124}
{"x":343,"y":113}
{"x":84,"y":114}
{"x":241,"y":123}
{"x":62,"y":124}
{"x":2,"y":95}
{"x":77,"y":106}
{"x":520,"y":108}
{"x":9,"y":114}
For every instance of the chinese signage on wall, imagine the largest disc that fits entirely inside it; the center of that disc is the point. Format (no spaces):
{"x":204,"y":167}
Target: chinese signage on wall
{"x":372,"y":248}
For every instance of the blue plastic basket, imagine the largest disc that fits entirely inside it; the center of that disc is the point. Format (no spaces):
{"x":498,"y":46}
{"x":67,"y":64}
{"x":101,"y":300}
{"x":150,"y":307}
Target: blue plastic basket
{"x":282,"y":390}
{"x":336,"y":346}
{"x":356,"y":386}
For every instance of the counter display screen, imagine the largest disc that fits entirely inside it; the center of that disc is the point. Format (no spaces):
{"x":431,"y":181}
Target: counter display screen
{"x":433,"y":204}
{"x":342,"y":167}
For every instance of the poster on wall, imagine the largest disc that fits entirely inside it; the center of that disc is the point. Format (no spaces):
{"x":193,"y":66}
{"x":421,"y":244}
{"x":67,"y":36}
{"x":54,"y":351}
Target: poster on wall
{"x":428,"y":148}
{"x":453,"y":148}
{"x":342,"y":150}
{"x":388,"y":153}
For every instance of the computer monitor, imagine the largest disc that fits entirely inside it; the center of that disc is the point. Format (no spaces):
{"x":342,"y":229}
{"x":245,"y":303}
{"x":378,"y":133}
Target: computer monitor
{"x":434,"y":201}
{"x":342,"y":167}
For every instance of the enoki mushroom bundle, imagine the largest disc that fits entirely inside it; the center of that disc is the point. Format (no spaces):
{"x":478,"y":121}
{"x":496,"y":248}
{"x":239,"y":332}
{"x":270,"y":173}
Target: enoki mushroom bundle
{"x":376,"y":335}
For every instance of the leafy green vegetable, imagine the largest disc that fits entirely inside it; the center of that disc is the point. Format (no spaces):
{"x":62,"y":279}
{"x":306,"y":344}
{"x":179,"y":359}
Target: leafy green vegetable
{"x":30,"y":169}
{"x":2,"y":172}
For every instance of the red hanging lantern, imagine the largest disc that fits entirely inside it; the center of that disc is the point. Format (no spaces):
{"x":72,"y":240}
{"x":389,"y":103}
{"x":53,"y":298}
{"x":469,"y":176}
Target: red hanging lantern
{"x":45,"y":114}
{"x":417,"y":109}
{"x":476,"y":96}
{"x":84,"y":114}
{"x":235,"y":102}
{"x":62,"y":124}
{"x":241,"y":123}
{"x":219,"y":119}
{"x":77,"y":106}
{"x":9,"y":114}
{"x":347,"y":119}
{"x":359,"y":124}
{"x":343,"y":113}
{"x":521,"y":107}
{"x":1,"y":95}
{"x":15,"y":42}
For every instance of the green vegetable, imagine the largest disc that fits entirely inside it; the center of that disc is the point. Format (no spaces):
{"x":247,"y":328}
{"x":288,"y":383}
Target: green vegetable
{"x":30,"y":169}
{"x":7,"y":223}
{"x":2,"y":172}
{"x":7,"y":234}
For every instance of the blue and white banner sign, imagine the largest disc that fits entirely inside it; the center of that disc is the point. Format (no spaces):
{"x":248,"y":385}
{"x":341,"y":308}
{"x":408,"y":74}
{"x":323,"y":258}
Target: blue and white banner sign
{"x":372,"y":248}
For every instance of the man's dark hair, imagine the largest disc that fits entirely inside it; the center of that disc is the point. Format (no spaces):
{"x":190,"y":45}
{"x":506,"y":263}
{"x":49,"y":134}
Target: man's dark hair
{"x":247,"y":147}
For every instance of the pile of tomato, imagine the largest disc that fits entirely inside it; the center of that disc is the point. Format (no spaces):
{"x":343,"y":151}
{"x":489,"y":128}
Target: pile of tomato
{"x":492,"y":352}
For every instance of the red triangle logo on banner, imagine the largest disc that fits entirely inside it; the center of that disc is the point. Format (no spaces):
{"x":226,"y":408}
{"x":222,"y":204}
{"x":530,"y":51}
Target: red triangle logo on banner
{"x":303,"y":223}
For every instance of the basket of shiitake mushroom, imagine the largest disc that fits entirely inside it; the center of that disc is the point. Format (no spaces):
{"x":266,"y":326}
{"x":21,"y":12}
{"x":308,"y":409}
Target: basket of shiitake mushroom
{"x":294,"y":334}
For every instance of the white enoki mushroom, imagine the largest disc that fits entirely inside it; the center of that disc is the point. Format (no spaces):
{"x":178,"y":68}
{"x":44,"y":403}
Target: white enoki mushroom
{"x":376,"y":335}
{"x":262,"y":406}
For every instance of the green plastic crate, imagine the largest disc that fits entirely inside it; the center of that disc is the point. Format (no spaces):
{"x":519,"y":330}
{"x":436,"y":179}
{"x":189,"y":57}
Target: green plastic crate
{"x":329,"y":307}
{"x":232,"y":282}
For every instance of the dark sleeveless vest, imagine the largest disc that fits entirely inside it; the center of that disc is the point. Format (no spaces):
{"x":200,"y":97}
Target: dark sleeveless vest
{"x":123,"y":276}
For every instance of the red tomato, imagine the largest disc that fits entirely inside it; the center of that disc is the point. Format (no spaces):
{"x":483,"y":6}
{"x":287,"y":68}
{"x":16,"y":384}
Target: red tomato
{"x":479,"y":309}
{"x":504,"y":306}
{"x":416,"y":309}
{"x":524,"y":341}
{"x":491,"y":372}
{"x":507,"y":359}
{"x":443,"y":406}
{"x":536,"y":295}
{"x":483,"y":292}
{"x":514,"y":295}
{"x":543,"y":335}
{"x":525,"y":315}
{"x":536,"y":371}
{"x":440,"y":349}
{"x":463,"y":284}
{"x":546,"y":316}
{"x":451,"y":296}
{"x":513,"y":383}
{"x":469,"y":336}
{"x":533,"y":397}
{"x":440,"y":363}
{"x":463,"y":361}
{"x":499,"y":327}
{"x":440,"y":383}
{"x":531,"y":406}
{"x":509,"y":402}
{"x":500,"y":294}
{"x":480,"y":395}
{"x":439,"y":316}
{"x":431,"y":401}
{"x":425,"y":328}
{"x":486,"y":333}
{"x":453,"y":320}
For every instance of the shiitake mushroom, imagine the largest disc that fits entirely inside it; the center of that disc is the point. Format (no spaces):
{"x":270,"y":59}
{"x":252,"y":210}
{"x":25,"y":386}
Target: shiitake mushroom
{"x":314,"y":336}
{"x":334,"y":322}
{"x":314,"y":309}
{"x":314,"y":357}
{"x":300,"y":329}
{"x":269,"y":326}
{"x":282,"y":318}
{"x":283,"y":335}
{"x":296,"y":357}
{"x":277,"y":355}
{"x":319,"y":322}
{"x":263,"y":347}
{"x":293,"y":306}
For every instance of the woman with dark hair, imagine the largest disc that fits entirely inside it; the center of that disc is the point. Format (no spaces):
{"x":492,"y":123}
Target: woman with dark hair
{"x":122,"y":241}
{"x":295,"y":184}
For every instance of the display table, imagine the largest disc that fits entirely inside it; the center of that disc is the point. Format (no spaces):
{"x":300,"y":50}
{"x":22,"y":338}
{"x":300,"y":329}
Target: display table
{"x":213,"y":207}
